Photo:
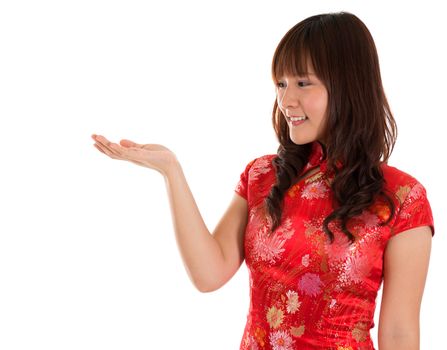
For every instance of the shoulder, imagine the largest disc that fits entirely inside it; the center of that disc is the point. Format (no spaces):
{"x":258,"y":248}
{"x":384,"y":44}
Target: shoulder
{"x":264,"y":161}
{"x":398,"y":181}
{"x":255,"y":178}
{"x":260,"y":171}
{"x":394,"y":174}
{"x":410,"y":196}
{"x":260,"y":165}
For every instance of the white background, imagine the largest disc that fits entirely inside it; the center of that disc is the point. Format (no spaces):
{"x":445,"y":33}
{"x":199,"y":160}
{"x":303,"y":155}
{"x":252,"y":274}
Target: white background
{"x":88,"y":257}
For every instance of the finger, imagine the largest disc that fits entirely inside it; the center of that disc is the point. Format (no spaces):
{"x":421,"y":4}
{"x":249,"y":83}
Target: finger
{"x":106,"y":144}
{"x":106,"y":151}
{"x":102,"y":139}
{"x":116,"y":151}
{"x":133,"y":157}
{"x":98,"y":148}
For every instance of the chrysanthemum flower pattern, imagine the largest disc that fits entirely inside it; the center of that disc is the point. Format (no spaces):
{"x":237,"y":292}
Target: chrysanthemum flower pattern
{"x":281,"y":340}
{"x":269,"y":247}
{"x":292,"y":302}
{"x":315,"y":190}
{"x":310,"y":284}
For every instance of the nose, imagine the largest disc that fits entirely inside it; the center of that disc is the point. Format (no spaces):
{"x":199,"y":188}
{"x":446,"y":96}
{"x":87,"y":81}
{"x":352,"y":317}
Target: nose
{"x":289,"y":98}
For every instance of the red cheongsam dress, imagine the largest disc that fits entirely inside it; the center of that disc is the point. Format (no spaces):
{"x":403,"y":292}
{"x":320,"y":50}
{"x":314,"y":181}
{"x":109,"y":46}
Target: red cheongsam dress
{"x":306,"y":293}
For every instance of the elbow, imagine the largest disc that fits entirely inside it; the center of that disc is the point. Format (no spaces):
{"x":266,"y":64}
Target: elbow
{"x":205,"y":290}
{"x":209,"y":280}
{"x":207,"y":287}
{"x":210,"y":287}
{"x":399,"y":340}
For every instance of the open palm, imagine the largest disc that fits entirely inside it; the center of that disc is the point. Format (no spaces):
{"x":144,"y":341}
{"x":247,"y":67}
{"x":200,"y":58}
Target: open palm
{"x":154,"y":156}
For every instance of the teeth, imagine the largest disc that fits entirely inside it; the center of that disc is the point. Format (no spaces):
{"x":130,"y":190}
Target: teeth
{"x":295,"y":119}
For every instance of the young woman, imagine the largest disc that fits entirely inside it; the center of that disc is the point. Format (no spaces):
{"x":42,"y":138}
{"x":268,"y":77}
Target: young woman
{"x":325,"y":220}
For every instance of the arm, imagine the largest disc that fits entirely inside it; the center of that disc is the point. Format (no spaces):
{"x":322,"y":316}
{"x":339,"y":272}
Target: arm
{"x":406,"y":263}
{"x":210,"y":259}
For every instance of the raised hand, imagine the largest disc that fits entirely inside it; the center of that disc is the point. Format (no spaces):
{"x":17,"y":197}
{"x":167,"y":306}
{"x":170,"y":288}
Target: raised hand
{"x":151,"y":156}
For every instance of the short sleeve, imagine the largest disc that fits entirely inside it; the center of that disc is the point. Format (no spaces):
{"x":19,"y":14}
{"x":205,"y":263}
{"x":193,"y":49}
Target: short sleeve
{"x":242,"y":185}
{"x":415,"y":210}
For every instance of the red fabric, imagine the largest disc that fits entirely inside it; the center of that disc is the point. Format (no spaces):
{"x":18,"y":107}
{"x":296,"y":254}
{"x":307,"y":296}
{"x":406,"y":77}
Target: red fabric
{"x":306,"y":293}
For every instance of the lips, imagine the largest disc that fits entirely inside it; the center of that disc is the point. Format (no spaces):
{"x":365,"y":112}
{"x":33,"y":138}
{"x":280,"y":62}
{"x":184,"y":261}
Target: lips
{"x":297,"y":118}
{"x":294,"y":116}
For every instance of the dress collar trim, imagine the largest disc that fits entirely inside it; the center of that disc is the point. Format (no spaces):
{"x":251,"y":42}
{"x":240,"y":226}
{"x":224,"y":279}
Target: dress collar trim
{"x":317,"y":158}
{"x":317,"y":155}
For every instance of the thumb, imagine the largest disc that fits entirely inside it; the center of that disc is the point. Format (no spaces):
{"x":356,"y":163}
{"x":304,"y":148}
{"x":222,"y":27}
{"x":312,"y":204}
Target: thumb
{"x":128,"y":143}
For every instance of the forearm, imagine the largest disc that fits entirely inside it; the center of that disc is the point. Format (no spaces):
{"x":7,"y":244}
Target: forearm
{"x":201,"y":253}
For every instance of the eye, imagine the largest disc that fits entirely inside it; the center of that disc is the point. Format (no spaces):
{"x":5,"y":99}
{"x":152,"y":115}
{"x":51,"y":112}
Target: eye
{"x":300,"y":84}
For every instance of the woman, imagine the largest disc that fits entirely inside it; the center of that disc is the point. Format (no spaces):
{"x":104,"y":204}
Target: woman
{"x":325,"y":220}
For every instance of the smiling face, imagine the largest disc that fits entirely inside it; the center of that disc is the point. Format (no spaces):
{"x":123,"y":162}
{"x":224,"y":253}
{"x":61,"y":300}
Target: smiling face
{"x":303,"y":101}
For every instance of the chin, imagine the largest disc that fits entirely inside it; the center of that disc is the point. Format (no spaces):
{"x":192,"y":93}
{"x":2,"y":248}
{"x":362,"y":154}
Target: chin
{"x":302,"y":140}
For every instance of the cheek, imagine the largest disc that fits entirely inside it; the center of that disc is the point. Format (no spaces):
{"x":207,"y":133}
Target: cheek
{"x":324,"y":100}
{"x":318,"y":104}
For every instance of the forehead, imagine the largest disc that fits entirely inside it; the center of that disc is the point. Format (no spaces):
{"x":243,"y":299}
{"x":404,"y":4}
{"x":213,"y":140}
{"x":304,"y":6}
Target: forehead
{"x":293,"y":65}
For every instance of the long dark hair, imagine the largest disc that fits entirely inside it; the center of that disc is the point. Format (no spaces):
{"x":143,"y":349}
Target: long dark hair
{"x":360,"y":130}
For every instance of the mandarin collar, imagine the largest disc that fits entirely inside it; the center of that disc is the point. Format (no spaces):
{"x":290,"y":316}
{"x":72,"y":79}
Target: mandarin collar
{"x":317,"y":158}
{"x":317,"y":155}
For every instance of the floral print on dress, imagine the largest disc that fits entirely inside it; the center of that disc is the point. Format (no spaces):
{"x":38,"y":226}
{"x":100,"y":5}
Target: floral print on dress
{"x":369,"y":219}
{"x":260,"y":167}
{"x":339,"y":249}
{"x":293,"y":191}
{"x":413,"y":195}
{"x":275,"y":317}
{"x":360,"y":331}
{"x":355,"y":269}
{"x":332,"y":304}
{"x":297,"y":331}
{"x":253,"y":345}
{"x":311,"y":227}
{"x":281,"y":340}
{"x":305,"y":260}
{"x":305,"y":291}
{"x":416,"y":192}
{"x":310,"y":284}
{"x":414,"y":208}
{"x":402,"y":193}
{"x":260,"y":335}
{"x":382,"y":210}
{"x":292,"y":302}
{"x":315,"y":190}
{"x":269,"y":247}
